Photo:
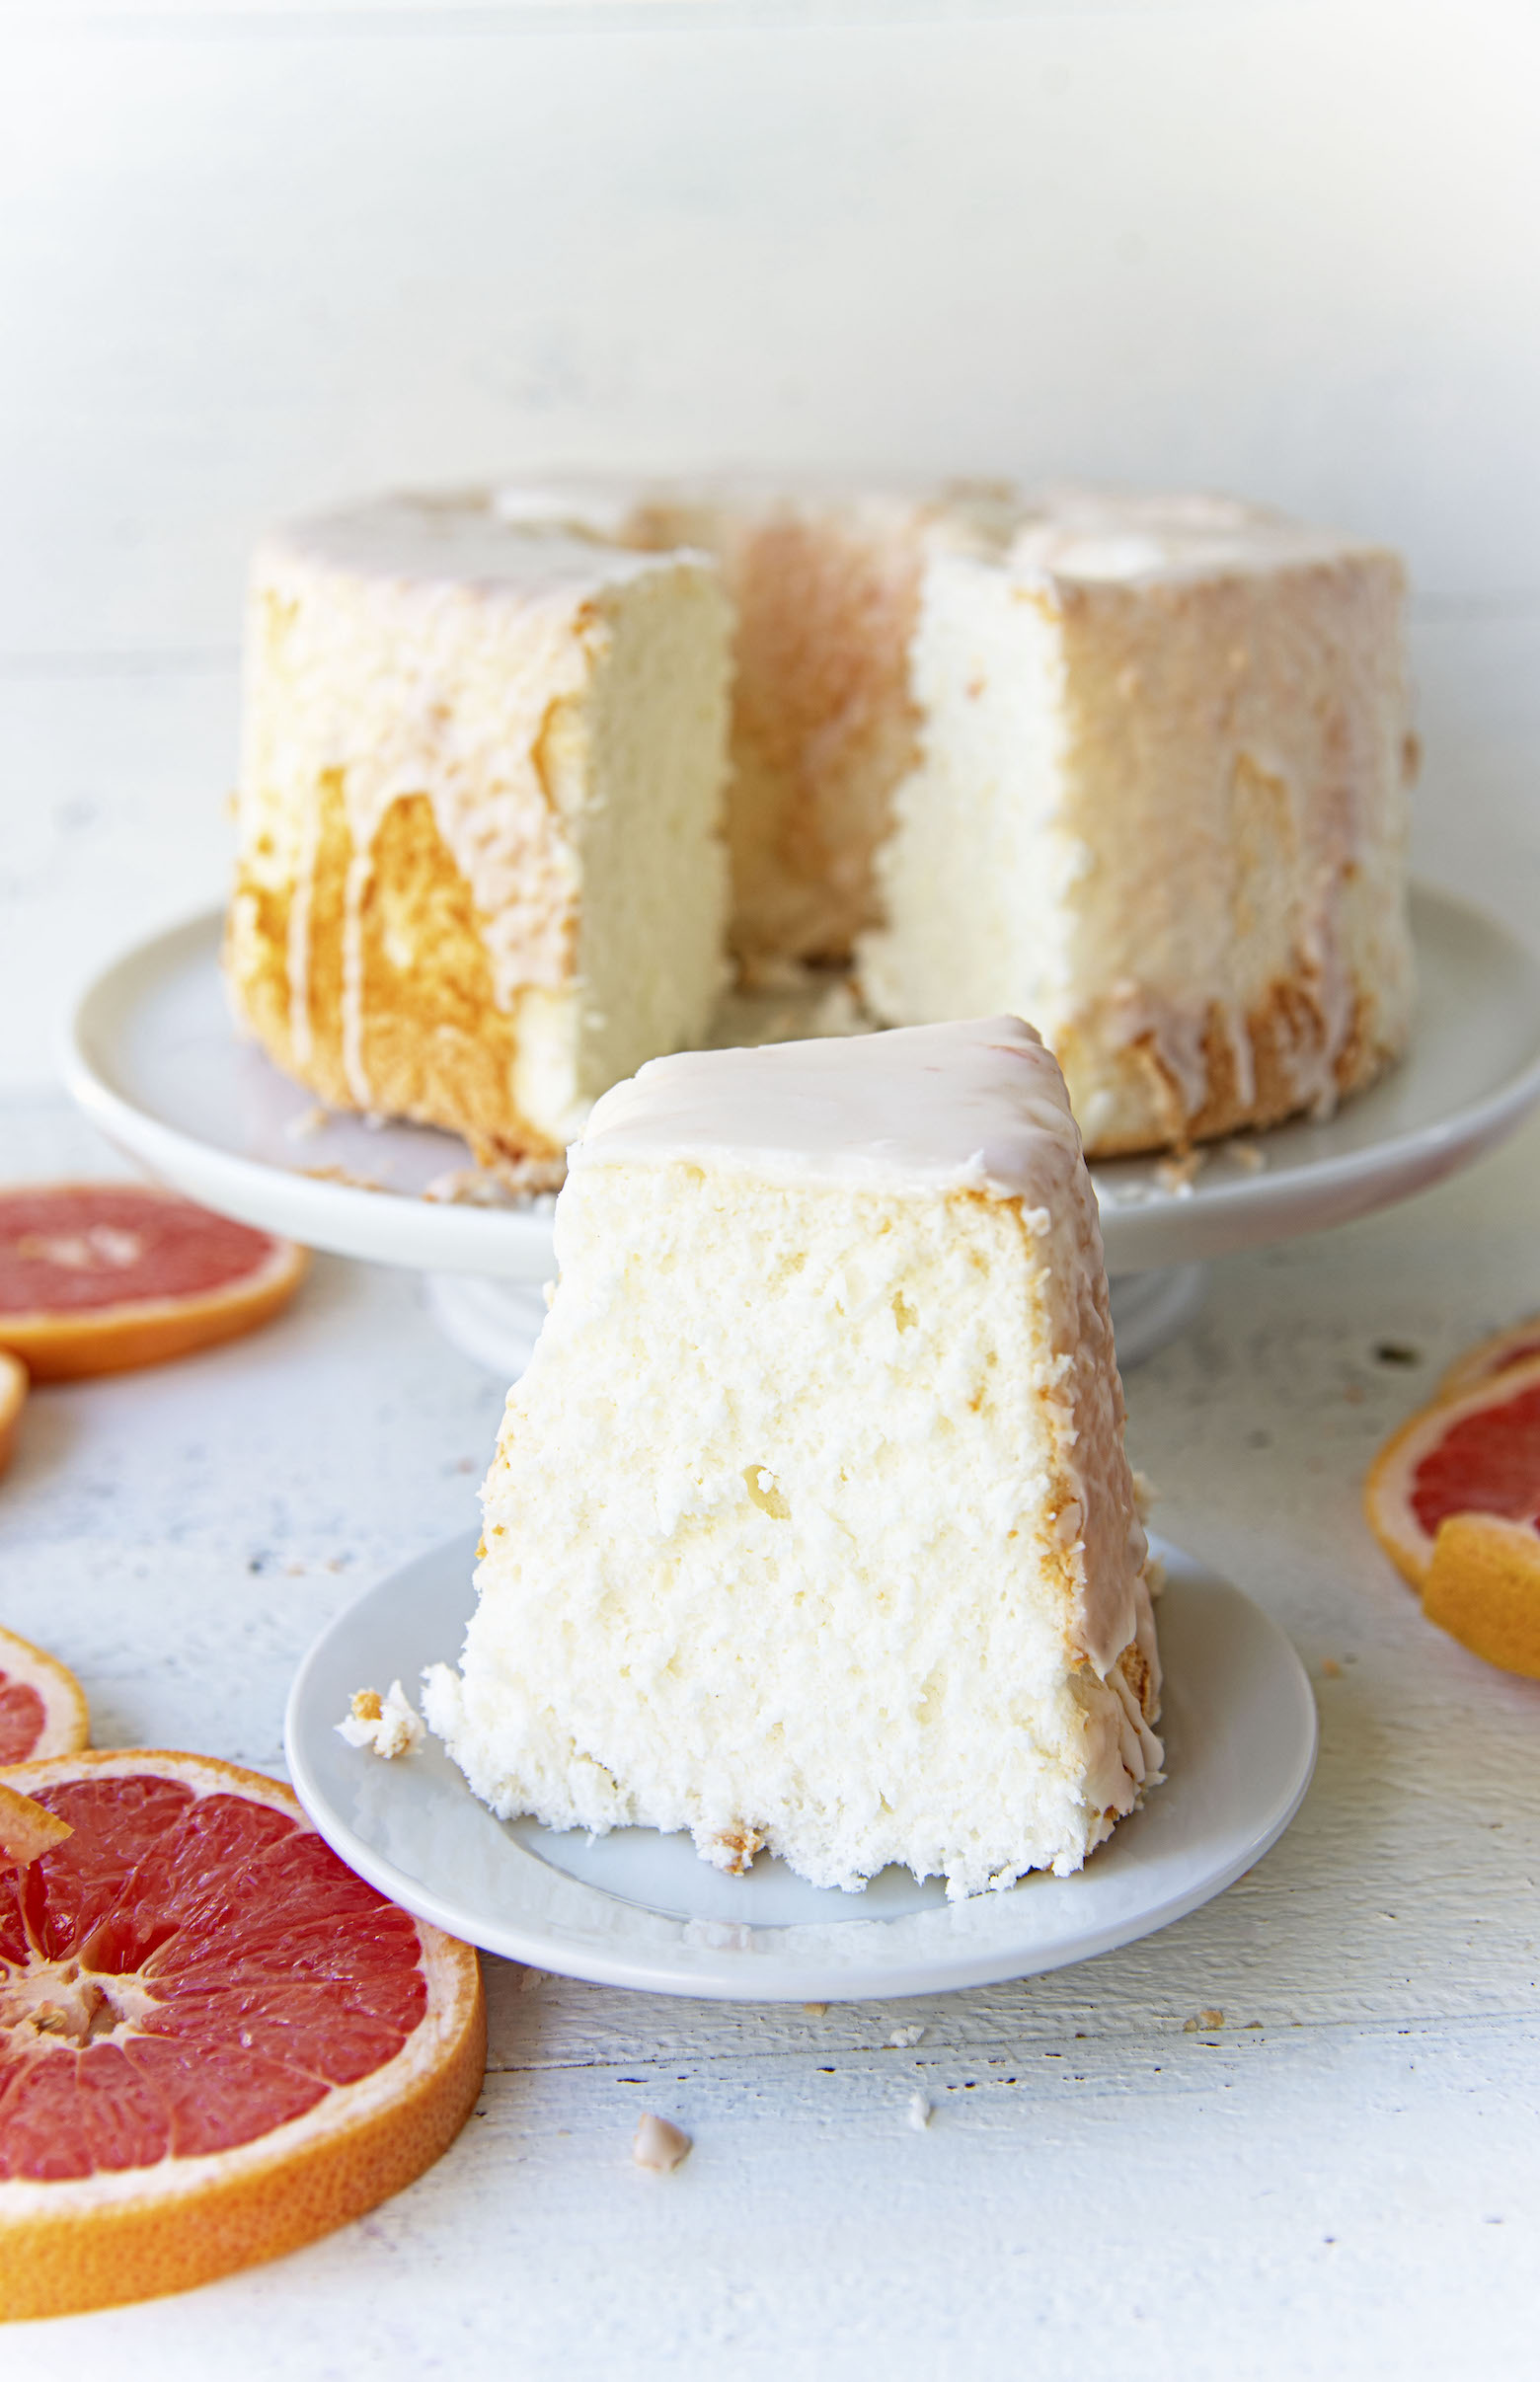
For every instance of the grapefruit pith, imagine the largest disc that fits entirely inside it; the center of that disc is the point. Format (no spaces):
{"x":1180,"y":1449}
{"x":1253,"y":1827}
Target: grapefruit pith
{"x":28,"y":1828}
{"x":216,"y":2043}
{"x":1477,"y":1453}
{"x":14,"y":1385}
{"x":43,"y":1706}
{"x":99,"y":1277}
{"x":1519,"y":1344}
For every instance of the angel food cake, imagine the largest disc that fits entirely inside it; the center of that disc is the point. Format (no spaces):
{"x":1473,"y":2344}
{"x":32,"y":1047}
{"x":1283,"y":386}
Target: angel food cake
{"x":481,"y":872}
{"x":1159,"y":807}
{"x":527,"y":771}
{"x":809,"y":1526}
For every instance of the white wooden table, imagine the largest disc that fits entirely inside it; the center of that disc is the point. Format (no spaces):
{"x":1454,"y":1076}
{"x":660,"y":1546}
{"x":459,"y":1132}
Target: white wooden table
{"x":1345,"y":2178}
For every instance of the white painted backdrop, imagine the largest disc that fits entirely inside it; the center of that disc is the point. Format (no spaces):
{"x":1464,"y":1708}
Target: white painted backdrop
{"x":255,"y":257}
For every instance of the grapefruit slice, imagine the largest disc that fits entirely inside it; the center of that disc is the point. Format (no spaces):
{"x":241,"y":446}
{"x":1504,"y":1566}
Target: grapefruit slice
{"x":216,"y":2043}
{"x":14,"y":1380}
{"x":97,"y":1277}
{"x":43,"y":1706}
{"x":1484,"y":1588}
{"x":1478,"y":1453}
{"x":1519,"y":1344}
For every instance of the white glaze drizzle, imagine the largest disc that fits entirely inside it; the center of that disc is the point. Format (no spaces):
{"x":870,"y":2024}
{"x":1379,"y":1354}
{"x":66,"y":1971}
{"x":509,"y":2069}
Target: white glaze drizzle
{"x":1097,"y":535}
{"x":401,"y":592}
{"x":360,"y":869}
{"x":301,"y":907}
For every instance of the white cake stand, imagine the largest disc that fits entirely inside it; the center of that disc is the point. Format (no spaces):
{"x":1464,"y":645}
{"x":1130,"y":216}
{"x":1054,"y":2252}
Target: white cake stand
{"x":153,"y":1059}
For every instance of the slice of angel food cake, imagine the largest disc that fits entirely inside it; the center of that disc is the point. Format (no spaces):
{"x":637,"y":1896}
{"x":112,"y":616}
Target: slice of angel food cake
{"x":810,"y":1526}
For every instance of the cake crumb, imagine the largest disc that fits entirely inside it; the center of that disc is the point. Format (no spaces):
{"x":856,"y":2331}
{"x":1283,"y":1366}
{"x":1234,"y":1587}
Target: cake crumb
{"x":658,"y":2146}
{"x":307,"y":1124}
{"x":386,"y":1725}
{"x":1247,"y":1156}
{"x":343,"y":1176}
{"x":1177,"y":1174}
{"x":1205,"y":2022}
{"x":905,"y":2038}
{"x":533,"y":1181}
{"x":466,"y":1187}
{"x":920,"y":2111}
{"x":1330,"y":1670}
{"x":815,"y":2008}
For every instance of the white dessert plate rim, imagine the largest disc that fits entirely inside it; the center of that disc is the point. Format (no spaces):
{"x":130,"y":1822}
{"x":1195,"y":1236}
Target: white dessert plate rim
{"x":640,"y":1910}
{"x":153,"y":1058}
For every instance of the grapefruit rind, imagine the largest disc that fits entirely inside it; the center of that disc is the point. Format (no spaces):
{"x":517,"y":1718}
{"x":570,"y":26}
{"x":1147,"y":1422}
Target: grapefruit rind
{"x":1484,"y":1590}
{"x":141,"y":2233}
{"x":1499,"y":1352}
{"x":66,"y":1717}
{"x":1387,"y":1501}
{"x":15,"y":1382}
{"x":132,"y":1333}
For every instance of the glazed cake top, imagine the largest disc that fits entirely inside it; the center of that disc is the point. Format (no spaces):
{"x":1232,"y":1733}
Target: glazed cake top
{"x":973,"y":1106}
{"x":458,"y":540}
{"x":1097,"y":535}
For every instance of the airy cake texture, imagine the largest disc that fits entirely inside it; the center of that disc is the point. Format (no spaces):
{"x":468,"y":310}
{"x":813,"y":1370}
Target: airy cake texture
{"x":809,"y":1525}
{"x":481,"y":871}
{"x":825,"y":582}
{"x":1160,"y":808}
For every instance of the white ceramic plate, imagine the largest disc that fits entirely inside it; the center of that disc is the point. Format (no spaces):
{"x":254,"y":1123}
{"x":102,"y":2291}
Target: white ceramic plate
{"x":154,"y":1060}
{"x":639,"y":1909}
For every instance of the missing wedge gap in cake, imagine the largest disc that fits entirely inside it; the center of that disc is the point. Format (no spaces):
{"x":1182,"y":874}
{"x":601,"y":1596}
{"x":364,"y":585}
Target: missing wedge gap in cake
{"x":765,"y":1567}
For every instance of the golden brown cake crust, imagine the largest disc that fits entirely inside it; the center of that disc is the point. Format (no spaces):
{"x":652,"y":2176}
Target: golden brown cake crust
{"x":433,"y":1045}
{"x":1151,"y":1101}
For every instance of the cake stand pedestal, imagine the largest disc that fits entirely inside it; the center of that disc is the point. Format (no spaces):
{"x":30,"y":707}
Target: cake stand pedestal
{"x":153,"y":1059}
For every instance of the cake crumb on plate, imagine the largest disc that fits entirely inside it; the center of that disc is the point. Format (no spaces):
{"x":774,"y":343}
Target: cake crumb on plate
{"x":659,"y":2146}
{"x":386,"y":1725}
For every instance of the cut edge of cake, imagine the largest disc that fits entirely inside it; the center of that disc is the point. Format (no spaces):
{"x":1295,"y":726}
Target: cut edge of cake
{"x":810,"y":1526}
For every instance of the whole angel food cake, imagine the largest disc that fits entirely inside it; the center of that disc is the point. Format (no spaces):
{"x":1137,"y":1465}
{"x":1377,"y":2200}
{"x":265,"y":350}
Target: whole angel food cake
{"x":1159,"y":807}
{"x":481,"y":872}
{"x":809,"y":1526}
{"x":527,"y":770}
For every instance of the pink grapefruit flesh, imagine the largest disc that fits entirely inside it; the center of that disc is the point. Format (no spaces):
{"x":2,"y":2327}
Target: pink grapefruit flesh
{"x":42,"y":1707}
{"x":100,"y":1277}
{"x":1477,"y":1453}
{"x":215,"y":2041}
